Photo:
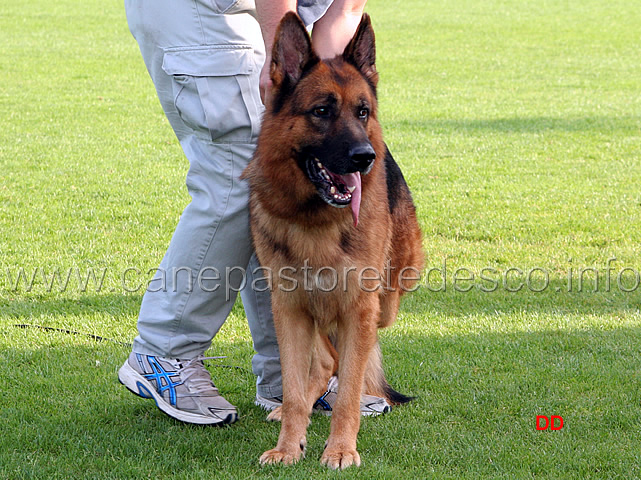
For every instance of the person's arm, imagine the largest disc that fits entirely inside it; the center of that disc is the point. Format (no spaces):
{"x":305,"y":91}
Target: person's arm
{"x":333,"y":31}
{"x":269,"y":13}
{"x":330,"y":35}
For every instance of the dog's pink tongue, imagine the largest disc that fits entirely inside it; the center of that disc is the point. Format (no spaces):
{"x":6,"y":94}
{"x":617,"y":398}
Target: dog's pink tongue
{"x":354,"y":180}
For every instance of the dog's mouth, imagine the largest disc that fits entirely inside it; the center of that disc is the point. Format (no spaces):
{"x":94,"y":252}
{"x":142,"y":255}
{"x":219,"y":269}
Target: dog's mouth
{"x":337,"y":190}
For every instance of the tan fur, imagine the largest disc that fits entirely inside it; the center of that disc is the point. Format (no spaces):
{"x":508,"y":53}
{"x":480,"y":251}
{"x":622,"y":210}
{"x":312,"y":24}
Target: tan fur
{"x":288,"y":235}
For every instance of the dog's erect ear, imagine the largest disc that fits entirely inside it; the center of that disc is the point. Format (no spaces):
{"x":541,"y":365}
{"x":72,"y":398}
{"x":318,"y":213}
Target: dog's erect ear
{"x":292,"y":52}
{"x":361,"y":50}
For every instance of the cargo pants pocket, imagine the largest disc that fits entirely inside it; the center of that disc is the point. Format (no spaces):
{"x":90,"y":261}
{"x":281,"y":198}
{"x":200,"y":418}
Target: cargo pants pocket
{"x":215,"y":89}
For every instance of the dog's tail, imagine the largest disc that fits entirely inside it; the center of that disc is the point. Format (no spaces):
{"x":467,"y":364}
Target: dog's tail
{"x":375,"y":382}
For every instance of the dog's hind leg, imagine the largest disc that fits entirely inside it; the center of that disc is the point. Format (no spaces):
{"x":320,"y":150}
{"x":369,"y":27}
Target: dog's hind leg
{"x":390,"y":302}
{"x":324,"y":364}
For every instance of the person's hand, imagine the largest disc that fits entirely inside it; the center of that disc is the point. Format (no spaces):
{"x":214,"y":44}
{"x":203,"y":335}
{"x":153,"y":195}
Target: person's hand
{"x":333,"y":31}
{"x":269,"y":14}
{"x":330,"y":35}
{"x":265,"y":81}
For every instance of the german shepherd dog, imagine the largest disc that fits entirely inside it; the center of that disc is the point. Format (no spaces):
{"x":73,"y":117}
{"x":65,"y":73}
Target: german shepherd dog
{"x":331,"y":212}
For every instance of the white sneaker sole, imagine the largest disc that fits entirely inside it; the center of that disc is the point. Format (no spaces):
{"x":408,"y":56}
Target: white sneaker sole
{"x":270,"y":405}
{"x":138,"y":385}
{"x":266,"y":404}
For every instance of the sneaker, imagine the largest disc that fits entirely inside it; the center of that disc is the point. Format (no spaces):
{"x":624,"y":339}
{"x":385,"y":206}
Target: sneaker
{"x":370,"y":405}
{"x":181,"y":388}
{"x":268,"y":404}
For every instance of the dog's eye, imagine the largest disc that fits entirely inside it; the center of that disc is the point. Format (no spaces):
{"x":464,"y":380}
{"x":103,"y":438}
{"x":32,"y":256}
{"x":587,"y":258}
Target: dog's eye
{"x":322,"y":112}
{"x":363,"y":113}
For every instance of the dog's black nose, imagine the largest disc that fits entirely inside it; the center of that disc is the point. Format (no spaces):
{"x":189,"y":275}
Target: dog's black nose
{"x":362,"y":155}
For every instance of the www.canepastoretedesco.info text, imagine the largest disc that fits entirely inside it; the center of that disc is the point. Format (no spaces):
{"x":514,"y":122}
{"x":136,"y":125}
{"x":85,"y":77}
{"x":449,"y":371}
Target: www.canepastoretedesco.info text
{"x":607,"y":277}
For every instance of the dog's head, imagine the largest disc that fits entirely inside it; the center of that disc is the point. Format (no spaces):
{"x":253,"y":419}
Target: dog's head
{"x":329,"y":108}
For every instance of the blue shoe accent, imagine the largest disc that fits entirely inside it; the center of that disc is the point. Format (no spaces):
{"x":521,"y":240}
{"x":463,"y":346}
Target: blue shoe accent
{"x":321,"y":403}
{"x":163,"y":379}
{"x":143,"y":391}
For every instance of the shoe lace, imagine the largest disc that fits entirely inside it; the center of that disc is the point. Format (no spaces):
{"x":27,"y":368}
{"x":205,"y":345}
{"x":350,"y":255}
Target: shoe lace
{"x":194,"y":370}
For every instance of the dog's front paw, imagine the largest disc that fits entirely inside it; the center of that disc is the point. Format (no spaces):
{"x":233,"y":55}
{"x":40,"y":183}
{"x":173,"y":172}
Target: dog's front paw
{"x":341,"y":458}
{"x":275,"y":455}
{"x":276,"y":415}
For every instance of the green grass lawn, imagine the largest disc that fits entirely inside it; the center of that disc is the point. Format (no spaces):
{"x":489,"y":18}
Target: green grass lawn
{"x":518,"y":126}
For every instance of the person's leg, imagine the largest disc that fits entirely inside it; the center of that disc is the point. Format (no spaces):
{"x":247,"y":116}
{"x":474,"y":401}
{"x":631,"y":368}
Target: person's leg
{"x":266,"y":361}
{"x":204,"y":65}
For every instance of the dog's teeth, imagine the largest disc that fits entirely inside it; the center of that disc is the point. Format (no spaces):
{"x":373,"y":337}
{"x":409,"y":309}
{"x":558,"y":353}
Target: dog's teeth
{"x":351,"y":189}
{"x":332,"y":190}
{"x":319,"y":164}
